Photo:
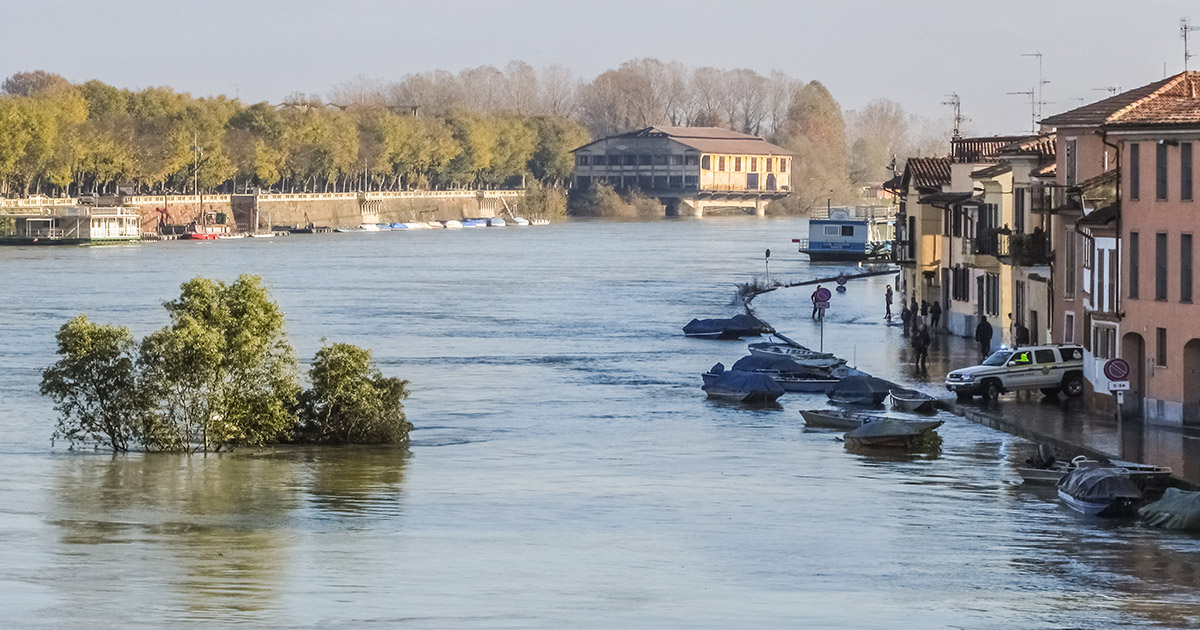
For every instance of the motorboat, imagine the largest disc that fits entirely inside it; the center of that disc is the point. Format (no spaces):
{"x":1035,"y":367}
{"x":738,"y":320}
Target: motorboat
{"x":539,"y":222}
{"x":496,"y":222}
{"x":860,"y":390}
{"x":473,"y":223}
{"x":890,"y":433}
{"x":1043,"y":469}
{"x":801,"y":354}
{"x":453,"y":224}
{"x":416,"y":225}
{"x":399,"y":226}
{"x":262,"y":235}
{"x":435,"y":225}
{"x":1099,"y":491}
{"x":520,"y":221}
{"x":837,"y":418}
{"x":726,"y":328}
{"x":790,"y":375}
{"x":1177,"y":509}
{"x":738,"y":386}
{"x":912,"y":400}
{"x":369,"y":227}
{"x":384,"y":227}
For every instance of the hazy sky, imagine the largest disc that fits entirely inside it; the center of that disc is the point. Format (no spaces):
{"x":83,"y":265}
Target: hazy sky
{"x":913,"y":52}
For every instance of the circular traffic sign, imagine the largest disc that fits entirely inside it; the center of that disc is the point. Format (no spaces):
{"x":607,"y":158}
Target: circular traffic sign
{"x":823,"y":294}
{"x":842,"y":279}
{"x":1116,"y":369}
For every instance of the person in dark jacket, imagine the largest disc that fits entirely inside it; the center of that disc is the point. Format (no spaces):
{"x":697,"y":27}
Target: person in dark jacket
{"x":983,"y":334}
{"x":887,"y":301}
{"x":907,"y":318}
{"x":924,"y":311}
{"x":1021,"y":336}
{"x":935,"y":314}
{"x":920,"y":343}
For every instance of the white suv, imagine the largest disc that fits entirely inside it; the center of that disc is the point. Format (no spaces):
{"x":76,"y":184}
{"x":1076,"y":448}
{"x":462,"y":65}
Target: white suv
{"x":1049,"y":368}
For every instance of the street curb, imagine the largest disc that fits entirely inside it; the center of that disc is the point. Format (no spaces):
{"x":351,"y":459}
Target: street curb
{"x":1014,"y":428}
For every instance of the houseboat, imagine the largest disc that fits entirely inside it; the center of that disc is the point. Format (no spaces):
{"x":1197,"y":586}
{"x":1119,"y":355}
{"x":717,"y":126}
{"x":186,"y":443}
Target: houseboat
{"x":835,"y":239}
{"x":74,"y":225}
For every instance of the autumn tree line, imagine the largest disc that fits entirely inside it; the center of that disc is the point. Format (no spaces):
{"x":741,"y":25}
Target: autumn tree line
{"x":479,"y":128}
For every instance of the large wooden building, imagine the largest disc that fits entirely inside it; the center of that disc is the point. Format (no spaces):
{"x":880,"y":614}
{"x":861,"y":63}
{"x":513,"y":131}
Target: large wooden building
{"x":688,"y":168}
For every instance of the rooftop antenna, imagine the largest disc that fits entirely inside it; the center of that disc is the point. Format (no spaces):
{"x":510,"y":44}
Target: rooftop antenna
{"x":1185,"y":27}
{"x":956,"y":103}
{"x":1033,"y":115}
{"x":1112,"y":90}
{"x":1041,"y":82}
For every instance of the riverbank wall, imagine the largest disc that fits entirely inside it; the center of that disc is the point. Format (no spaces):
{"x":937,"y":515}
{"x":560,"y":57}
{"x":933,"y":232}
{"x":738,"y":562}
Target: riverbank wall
{"x":330,"y":209}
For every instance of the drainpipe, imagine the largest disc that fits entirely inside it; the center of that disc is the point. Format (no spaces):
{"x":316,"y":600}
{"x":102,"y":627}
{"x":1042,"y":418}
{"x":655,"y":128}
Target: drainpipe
{"x":1120,"y":284}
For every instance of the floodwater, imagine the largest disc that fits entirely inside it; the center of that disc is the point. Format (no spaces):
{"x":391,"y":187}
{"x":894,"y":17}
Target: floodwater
{"x":566,"y":470}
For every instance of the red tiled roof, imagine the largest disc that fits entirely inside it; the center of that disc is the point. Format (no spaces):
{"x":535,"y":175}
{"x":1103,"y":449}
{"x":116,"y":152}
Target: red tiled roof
{"x":927,"y":172}
{"x":1041,"y":145}
{"x":1173,"y":100}
{"x":705,"y":139}
{"x":992,"y":171}
{"x":981,"y":149}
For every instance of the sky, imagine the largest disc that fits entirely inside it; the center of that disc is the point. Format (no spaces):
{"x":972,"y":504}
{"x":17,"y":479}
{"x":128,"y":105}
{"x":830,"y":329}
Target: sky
{"x":915,"y":53}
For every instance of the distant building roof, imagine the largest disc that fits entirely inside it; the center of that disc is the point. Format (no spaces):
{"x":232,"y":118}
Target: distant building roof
{"x":1049,"y":170}
{"x":946,"y":198}
{"x":927,"y":172}
{"x":1041,"y":145}
{"x":704,"y":139}
{"x":984,"y":149}
{"x":1103,"y":216}
{"x":1151,"y":103}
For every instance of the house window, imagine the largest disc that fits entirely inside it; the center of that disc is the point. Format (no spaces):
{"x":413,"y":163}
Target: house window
{"x":1019,"y":210}
{"x":581,"y":160}
{"x":753,"y":164}
{"x":751,"y":181}
{"x":660,"y":159}
{"x":1160,"y":266}
{"x":769,"y":165}
{"x":1069,"y":267}
{"x":737,"y":164}
{"x":1161,"y":349}
{"x":1160,"y":171}
{"x":783,"y":163}
{"x":645,"y":181}
{"x":583,"y":181}
{"x":630,"y":159}
{"x":991,"y":283}
{"x":1185,"y":171}
{"x":1135,"y":172}
{"x":691,"y":182}
{"x":1113,"y":270}
{"x":676,"y":181}
{"x":645,"y":159}
{"x":832,"y":230}
{"x":660,"y":182}
{"x":1069,"y":328}
{"x":721,"y":163}
{"x":706,"y":163}
{"x":1071,"y":161}
{"x":1185,"y":267}
{"x":676,"y":159}
{"x":1134,"y":267}
{"x":629,"y":181}
{"x":691,"y":159}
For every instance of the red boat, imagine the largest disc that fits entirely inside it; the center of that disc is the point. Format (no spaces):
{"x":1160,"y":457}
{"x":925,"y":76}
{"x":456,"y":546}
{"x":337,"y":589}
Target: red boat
{"x":199,"y":236}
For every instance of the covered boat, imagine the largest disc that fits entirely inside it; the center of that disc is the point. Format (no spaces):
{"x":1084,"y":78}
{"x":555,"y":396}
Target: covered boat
{"x":791,"y":376}
{"x":738,"y":386}
{"x":728,"y":328}
{"x":1099,"y":491}
{"x":1177,"y":509}
{"x":912,"y":400}
{"x":1044,"y":469}
{"x":890,"y":433}
{"x":837,"y":418}
{"x":860,"y":390}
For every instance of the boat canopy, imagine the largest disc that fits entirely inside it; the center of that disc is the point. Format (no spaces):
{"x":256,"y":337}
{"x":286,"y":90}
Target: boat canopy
{"x":861,"y":385}
{"x":781,"y":364}
{"x":738,"y":381}
{"x":1099,"y":484}
{"x":738,"y":325}
{"x":1177,"y":509}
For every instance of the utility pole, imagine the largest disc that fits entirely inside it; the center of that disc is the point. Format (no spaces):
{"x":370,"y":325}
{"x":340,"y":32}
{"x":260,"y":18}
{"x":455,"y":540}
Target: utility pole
{"x":1186,"y":27}
{"x":196,"y":174}
{"x":1032,"y":107}
{"x":1041,"y":82}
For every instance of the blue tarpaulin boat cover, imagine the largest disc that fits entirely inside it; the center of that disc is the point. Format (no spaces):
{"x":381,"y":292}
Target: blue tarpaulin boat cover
{"x":783,"y":365}
{"x":738,"y":381}
{"x":1177,"y":509}
{"x":736,"y":326}
{"x":1099,"y":485}
{"x":861,"y":385}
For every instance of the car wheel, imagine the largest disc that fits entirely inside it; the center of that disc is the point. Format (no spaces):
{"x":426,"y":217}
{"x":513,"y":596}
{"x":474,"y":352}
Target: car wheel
{"x":1050,"y":391}
{"x":1073,"y":385}
{"x":992,"y":390}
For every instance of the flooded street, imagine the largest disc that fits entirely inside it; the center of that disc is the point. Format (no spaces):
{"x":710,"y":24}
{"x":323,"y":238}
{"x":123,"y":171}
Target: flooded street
{"x":566,"y":470}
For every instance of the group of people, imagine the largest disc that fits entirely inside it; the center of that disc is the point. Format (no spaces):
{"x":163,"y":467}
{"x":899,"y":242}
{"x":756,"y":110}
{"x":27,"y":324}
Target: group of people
{"x":915,"y":317}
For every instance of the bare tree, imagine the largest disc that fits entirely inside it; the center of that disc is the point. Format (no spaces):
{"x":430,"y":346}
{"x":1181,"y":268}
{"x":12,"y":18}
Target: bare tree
{"x":33,"y":83}
{"x":521,"y":91}
{"x":559,"y":91}
{"x":359,"y":90}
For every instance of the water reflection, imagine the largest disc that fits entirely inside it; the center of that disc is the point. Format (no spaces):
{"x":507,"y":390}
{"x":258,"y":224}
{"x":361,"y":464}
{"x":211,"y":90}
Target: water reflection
{"x":207,"y":537}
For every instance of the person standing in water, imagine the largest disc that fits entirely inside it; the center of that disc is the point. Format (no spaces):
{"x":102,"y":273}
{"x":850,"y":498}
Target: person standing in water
{"x":887,"y":302}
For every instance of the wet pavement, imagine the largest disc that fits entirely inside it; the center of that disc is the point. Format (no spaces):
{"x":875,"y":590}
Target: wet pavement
{"x":854,"y":328}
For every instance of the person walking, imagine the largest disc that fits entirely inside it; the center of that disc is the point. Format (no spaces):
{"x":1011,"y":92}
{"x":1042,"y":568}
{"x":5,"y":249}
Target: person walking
{"x":935,"y":314}
{"x":924,"y":311}
{"x":906,"y":318}
{"x":916,"y":310}
{"x":920,"y":343}
{"x":983,"y":334}
{"x":816,"y":311}
{"x":887,"y":301}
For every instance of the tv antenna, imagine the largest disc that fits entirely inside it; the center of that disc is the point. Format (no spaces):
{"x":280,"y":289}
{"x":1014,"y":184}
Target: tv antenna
{"x":1040,"y":84}
{"x":1185,"y":27}
{"x":1033,"y":107}
{"x":1111,"y":89}
{"x":956,"y":103}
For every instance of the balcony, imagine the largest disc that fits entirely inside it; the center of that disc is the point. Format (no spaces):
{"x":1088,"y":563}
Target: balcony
{"x":904,"y":252}
{"x":1028,"y":250}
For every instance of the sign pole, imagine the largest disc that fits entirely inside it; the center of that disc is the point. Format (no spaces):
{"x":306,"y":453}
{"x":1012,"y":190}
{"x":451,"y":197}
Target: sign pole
{"x":767,"y":261}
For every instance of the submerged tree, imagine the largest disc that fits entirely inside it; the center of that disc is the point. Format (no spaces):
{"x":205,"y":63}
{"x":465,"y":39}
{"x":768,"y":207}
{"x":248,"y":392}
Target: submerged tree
{"x":94,"y":385}
{"x":351,"y":401}
{"x":222,"y":373}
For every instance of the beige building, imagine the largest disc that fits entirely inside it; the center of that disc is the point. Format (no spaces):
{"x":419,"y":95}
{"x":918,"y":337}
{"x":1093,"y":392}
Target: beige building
{"x":688,"y":168}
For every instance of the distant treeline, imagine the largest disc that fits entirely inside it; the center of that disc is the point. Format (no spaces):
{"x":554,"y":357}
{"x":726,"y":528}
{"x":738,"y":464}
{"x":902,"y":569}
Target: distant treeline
{"x":482,"y":127}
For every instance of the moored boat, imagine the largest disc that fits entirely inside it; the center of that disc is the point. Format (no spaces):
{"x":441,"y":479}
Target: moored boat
{"x":453,"y":224}
{"x":837,"y":418}
{"x":738,"y":386}
{"x":726,"y":328}
{"x":496,"y":222}
{"x":860,"y":390}
{"x":1099,"y":491}
{"x":539,"y":222}
{"x":912,"y":400}
{"x":791,"y":376}
{"x":891,"y":433}
{"x":1043,"y":469}
{"x":520,"y":221}
{"x":1177,"y":509}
